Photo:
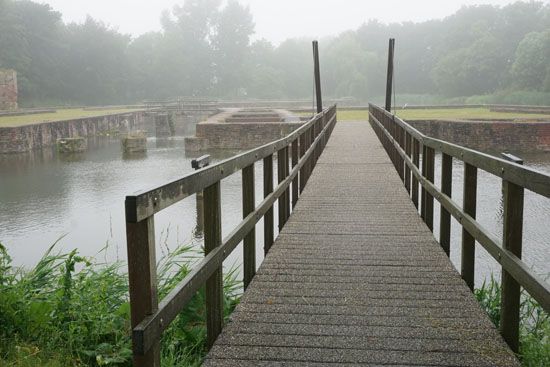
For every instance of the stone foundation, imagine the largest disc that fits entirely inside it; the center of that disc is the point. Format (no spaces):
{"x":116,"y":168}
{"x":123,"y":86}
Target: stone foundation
{"x":522,"y":136}
{"x":72,"y":145}
{"x":8,"y":90}
{"x":236,"y":130}
{"x":134,"y":142}
{"x":29,"y":137}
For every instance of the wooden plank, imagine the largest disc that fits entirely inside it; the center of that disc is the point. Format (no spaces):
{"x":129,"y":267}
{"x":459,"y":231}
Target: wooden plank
{"x":512,"y":238}
{"x":142,"y":275}
{"x":317,"y":73}
{"x":303,"y":170}
{"x":408,"y":141}
{"x":268,"y":189}
{"x":249,"y":242}
{"x":416,"y":161}
{"x":214,"y":284}
{"x":287,"y":191}
{"x":445,"y":216}
{"x":467,"y":263}
{"x":280,"y":177}
{"x":422,"y":189}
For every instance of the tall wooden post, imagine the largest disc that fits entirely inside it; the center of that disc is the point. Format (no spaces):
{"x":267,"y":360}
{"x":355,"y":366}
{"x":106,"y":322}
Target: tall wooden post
{"x":445,"y":216}
{"x":249,"y":242}
{"x":389,"y":78}
{"x":317,"y":76}
{"x":513,"y":196}
{"x":468,"y":241}
{"x":268,"y":189}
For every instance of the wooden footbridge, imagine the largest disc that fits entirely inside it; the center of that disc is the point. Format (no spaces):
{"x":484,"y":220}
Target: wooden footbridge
{"x":355,"y":276}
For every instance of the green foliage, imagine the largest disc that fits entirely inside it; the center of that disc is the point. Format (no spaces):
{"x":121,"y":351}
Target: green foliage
{"x":534,"y":350}
{"x":205,"y":49}
{"x":72,"y":311}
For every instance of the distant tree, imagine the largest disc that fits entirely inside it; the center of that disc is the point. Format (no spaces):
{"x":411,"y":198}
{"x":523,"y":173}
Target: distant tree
{"x":531,"y":68}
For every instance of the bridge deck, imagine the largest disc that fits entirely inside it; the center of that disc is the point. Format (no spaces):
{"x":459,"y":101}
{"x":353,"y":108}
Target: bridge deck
{"x":356,"y":277}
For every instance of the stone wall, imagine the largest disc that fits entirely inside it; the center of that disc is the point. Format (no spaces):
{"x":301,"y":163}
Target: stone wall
{"x":520,"y":136}
{"x":8,"y":89}
{"x":237,"y":136}
{"x":29,"y":137}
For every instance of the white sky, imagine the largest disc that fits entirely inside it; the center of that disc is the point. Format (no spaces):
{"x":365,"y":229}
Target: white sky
{"x":276,"y":20}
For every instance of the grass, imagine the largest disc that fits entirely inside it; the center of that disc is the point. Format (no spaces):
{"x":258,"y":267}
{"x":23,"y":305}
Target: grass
{"x":534,"y":350}
{"x":59,"y":115}
{"x":449,"y":113}
{"x":73,"y":311}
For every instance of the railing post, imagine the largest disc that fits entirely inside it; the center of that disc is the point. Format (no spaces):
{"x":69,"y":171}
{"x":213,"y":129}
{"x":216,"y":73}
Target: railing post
{"x":430,"y":167}
{"x":295,"y":181}
{"x":303,"y":169}
{"x":407,"y":169}
{"x":422,"y":190}
{"x":468,"y":241}
{"x":268,"y":189}
{"x":142,"y":274}
{"x":445,"y":216}
{"x":214,"y":284}
{"x":416,"y":161}
{"x":287,"y":191}
{"x":280,"y":177}
{"x":249,"y":242}
{"x":513,"y":197}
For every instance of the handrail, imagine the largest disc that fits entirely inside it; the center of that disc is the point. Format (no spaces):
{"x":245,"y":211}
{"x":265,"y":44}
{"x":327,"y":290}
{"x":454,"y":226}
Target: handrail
{"x":150,"y":318}
{"x":403,"y":142}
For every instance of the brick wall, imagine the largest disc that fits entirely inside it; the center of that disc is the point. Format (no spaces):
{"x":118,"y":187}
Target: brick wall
{"x":247,"y":135}
{"x":8,"y":89}
{"x":490,"y":135}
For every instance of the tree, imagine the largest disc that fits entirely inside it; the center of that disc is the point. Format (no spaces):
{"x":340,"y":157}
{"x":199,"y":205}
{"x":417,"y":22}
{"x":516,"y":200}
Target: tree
{"x":531,"y":69}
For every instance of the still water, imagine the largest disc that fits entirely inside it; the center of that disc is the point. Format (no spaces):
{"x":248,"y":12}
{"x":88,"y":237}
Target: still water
{"x":79,"y":200}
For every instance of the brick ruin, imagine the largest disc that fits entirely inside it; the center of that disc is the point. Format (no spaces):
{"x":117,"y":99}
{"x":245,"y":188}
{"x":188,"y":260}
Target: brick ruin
{"x":8,"y":89}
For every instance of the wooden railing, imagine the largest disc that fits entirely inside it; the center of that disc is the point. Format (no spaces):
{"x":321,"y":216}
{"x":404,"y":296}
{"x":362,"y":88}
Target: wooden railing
{"x":405,"y":145}
{"x":149,"y":318}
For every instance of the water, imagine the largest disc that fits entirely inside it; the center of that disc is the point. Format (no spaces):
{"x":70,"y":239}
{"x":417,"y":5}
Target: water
{"x":44,"y":196}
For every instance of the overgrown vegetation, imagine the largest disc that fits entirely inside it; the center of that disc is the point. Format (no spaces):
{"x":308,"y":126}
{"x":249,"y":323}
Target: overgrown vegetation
{"x":498,"y":54}
{"x":74,"y":311}
{"x":534,"y":348}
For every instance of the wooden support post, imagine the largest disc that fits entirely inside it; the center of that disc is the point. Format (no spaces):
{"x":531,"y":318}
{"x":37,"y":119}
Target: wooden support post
{"x":430,"y":168}
{"x":249,"y":242}
{"x":389,"y":77}
{"x":512,"y":235}
{"x":280,"y":178}
{"x":268,"y":217}
{"x":287,"y":191}
{"x":317,"y":73}
{"x":468,"y":241}
{"x":445,"y":216}
{"x":214,"y":284}
{"x":142,"y":274}
{"x":303,"y":174}
{"x":295,"y":181}
{"x":422,"y":190}
{"x":407,"y":169}
{"x":416,"y":161}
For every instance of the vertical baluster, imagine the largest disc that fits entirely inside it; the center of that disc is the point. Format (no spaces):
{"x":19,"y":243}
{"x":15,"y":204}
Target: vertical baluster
{"x":249,"y":242}
{"x":280,"y":178}
{"x":445,"y":216}
{"x":268,"y":217}
{"x":407,"y":169}
{"x":416,"y":161}
{"x":512,"y":235}
{"x":303,"y":169}
{"x":295,"y":181}
{"x":287,"y":191}
{"x":214,"y":284}
{"x":468,"y":241}
{"x":430,"y":168}
{"x":142,"y":274}
{"x":422,"y":190}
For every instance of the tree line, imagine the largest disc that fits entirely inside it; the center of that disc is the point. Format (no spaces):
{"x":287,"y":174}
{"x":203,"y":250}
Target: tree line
{"x":206,"y":49}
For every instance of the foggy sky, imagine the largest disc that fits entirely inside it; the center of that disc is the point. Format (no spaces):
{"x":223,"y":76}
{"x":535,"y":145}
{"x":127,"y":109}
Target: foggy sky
{"x":276,"y":20}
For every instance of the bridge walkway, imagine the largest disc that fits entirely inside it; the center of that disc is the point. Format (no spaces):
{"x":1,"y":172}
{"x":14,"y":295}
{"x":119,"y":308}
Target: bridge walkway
{"x":356,"y":278}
